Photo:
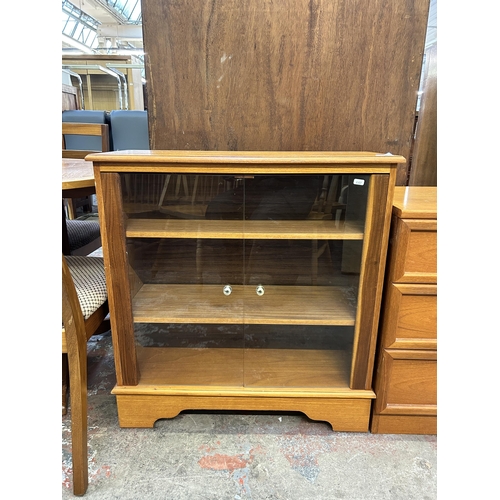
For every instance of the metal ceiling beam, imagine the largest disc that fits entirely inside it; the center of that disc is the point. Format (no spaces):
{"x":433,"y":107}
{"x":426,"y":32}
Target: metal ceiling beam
{"x":113,"y":11}
{"x":122,"y":31}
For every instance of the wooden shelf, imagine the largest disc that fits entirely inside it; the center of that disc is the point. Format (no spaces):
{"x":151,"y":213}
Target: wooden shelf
{"x":296,"y":368}
{"x":286,"y":305}
{"x":255,"y":229}
{"x":240,"y":371}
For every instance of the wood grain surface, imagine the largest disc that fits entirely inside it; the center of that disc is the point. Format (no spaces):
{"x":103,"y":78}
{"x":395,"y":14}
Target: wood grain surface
{"x":303,"y":75}
{"x":289,"y":305}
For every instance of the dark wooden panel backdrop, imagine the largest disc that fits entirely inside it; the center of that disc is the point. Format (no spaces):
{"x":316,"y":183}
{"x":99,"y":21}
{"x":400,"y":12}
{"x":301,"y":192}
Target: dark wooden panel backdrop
{"x":283,"y":75}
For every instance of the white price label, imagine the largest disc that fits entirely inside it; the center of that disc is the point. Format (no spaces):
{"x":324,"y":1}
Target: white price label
{"x":359,"y":182}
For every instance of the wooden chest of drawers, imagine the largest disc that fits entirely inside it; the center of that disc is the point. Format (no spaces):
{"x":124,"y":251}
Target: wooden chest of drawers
{"x":406,"y":364}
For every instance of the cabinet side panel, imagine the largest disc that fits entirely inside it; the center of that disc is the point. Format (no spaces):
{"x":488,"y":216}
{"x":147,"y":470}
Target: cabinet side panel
{"x":108,"y":190}
{"x":372,"y":276}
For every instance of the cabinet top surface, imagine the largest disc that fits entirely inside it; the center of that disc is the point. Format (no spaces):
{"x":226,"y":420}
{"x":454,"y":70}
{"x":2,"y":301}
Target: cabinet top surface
{"x":244,"y":157}
{"x":415,"y":202}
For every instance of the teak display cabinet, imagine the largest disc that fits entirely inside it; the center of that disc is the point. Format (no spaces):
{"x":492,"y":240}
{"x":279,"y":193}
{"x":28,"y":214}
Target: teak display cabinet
{"x":245,"y":280}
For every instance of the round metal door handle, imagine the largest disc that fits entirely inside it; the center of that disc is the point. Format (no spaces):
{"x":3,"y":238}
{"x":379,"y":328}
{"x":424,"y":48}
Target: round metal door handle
{"x":227,"y":290}
{"x":259,"y":290}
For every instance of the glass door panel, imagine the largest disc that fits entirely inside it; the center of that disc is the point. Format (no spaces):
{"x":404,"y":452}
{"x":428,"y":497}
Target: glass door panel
{"x":185,"y":269}
{"x":245,"y":281}
{"x":300,"y":304}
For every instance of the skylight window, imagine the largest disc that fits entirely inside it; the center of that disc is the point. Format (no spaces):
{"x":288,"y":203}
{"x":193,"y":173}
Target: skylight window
{"x":78,"y":26}
{"x":130,"y":10}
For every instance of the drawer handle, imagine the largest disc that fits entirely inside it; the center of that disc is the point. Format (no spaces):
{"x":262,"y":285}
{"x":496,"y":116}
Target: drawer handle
{"x":227,"y":290}
{"x":259,"y":290}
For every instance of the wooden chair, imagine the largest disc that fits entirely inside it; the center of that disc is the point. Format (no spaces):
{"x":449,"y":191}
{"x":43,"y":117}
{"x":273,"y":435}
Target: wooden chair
{"x":91,"y":138}
{"x":326,"y":207}
{"x":84,"y":237}
{"x":84,"y":129}
{"x":84,"y":313}
{"x":129,"y":130}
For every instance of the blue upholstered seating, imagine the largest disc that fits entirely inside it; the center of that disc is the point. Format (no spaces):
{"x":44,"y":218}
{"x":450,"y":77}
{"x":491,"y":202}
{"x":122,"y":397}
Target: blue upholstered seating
{"x":129,"y":129}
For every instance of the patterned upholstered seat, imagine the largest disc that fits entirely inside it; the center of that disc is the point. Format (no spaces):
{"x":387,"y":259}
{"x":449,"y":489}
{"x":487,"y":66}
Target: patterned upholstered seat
{"x":90,"y":282}
{"x":81,"y":233}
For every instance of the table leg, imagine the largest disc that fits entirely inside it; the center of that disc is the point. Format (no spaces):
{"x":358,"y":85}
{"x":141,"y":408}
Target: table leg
{"x":65,"y":238}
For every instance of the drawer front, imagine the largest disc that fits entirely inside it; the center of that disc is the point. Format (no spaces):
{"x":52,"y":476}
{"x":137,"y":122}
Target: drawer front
{"x":403,"y":424}
{"x":409,"y":318}
{"x":414,"y":251}
{"x":407,"y":383}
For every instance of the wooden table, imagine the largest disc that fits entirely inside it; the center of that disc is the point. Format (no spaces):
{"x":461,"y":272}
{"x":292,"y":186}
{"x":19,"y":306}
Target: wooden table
{"x":77,"y":181}
{"x":77,"y":178}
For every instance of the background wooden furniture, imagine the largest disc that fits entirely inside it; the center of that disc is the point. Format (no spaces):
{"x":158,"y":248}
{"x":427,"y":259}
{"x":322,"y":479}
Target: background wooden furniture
{"x":153,"y":278}
{"x":301,"y":75}
{"x":101,"y":90}
{"x":70,"y":97}
{"x":77,"y":177}
{"x":84,"y":311}
{"x":78,"y":181}
{"x":83,"y":130}
{"x":406,"y":374}
{"x":424,"y":163}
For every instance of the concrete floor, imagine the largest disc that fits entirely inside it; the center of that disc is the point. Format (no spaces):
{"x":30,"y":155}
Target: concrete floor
{"x":245,"y":455}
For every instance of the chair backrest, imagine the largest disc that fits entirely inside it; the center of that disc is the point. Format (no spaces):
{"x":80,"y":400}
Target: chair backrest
{"x":97,"y":131}
{"x":89,"y":143}
{"x":85,"y":116}
{"x":129,"y":129}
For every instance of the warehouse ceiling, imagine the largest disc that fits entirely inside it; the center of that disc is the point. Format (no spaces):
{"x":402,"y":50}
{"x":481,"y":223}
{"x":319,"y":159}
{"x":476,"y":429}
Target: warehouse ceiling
{"x":102,"y":27}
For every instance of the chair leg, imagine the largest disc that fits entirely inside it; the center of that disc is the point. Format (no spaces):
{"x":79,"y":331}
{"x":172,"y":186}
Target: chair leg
{"x":71,"y":207}
{"x":78,"y":395}
{"x":65,"y":382}
{"x":314,"y":262}
{"x":164,"y":191}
